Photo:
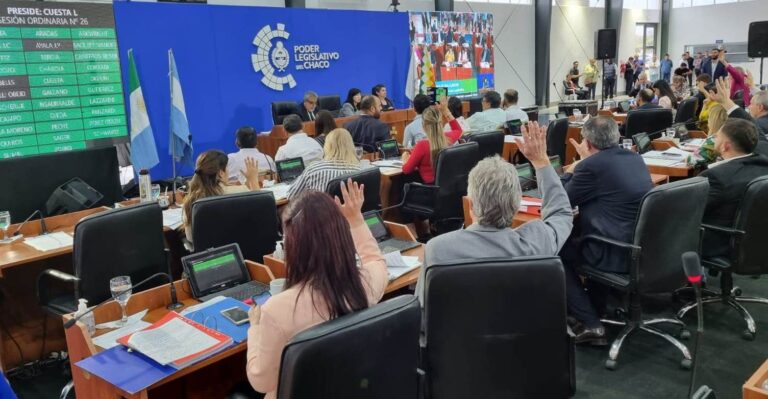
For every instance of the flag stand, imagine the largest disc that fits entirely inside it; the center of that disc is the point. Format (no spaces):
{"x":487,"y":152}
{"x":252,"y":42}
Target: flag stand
{"x":170,"y":131}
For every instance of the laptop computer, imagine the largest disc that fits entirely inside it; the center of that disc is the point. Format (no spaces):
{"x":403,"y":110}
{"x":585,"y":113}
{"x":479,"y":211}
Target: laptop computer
{"x":527,"y":181}
{"x":624,"y":106}
{"x":386,"y":243}
{"x":514,"y":126}
{"x":220,"y":271}
{"x":555,"y":161}
{"x":289,"y":169}
{"x":643,"y":142}
{"x":388,"y":149}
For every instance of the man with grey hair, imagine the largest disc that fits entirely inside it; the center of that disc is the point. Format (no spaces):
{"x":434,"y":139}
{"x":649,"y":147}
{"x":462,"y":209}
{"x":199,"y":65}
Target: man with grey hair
{"x":494,"y":194}
{"x":607,"y":185}
{"x":308,"y":108}
{"x":299,"y":145}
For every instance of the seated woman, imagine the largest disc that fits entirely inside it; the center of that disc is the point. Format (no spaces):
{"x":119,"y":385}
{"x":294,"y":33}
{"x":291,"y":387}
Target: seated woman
{"x":339,"y":159}
{"x":665,"y":95}
{"x":324,"y":124}
{"x":457,"y":110}
{"x":380,"y":91}
{"x":680,"y":87}
{"x":424,"y":154}
{"x":210,"y":179}
{"x":323,"y":281}
{"x":352,"y":105}
{"x":717,"y":117}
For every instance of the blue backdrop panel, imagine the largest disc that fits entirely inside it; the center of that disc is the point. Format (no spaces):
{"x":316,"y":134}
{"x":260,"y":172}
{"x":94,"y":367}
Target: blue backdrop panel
{"x":213,"y":47}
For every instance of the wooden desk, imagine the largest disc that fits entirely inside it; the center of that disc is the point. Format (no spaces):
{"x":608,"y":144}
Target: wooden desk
{"x":401,"y":231}
{"x":397,"y":119}
{"x":519,"y":219}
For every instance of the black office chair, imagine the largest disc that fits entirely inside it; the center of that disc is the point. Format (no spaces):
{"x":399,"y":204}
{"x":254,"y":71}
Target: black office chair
{"x":738,"y":98}
{"x":118,"y":242}
{"x":488,"y":143}
{"x":442,"y":202}
{"x":496,"y":328}
{"x":686,"y":112}
{"x":281,"y":109}
{"x":372,"y":354}
{"x":248,"y":219}
{"x":651,"y":121}
{"x":749,"y":235}
{"x":557,"y":131}
{"x":370,"y":177}
{"x":654,"y":258}
{"x":331,"y":104}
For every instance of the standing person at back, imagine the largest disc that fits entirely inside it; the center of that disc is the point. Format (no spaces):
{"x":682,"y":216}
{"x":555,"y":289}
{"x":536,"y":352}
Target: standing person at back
{"x":607,"y":185}
{"x":246,"y":141}
{"x":666,"y":68}
{"x":367,"y":130}
{"x":299,"y":145}
{"x":492,"y":117}
{"x":414,"y":131}
{"x":713,"y":67}
{"x":629,"y":75}
{"x":609,"y":74}
{"x":511,"y":109}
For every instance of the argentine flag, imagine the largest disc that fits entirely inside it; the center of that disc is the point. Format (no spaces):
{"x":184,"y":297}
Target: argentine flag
{"x":180,"y":138}
{"x":143,"y":149}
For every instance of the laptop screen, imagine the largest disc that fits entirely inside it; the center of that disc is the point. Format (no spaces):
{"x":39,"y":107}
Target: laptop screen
{"x":556,"y":164}
{"x":389,"y":148}
{"x":216,"y":268}
{"x":514,"y":126}
{"x":624,"y":106}
{"x":643,"y":142}
{"x":525,"y":174}
{"x":289,"y":169}
{"x":376,"y":225}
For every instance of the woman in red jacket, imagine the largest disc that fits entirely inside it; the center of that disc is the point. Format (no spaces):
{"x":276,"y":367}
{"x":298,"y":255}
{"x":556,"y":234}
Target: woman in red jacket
{"x":424,"y":154}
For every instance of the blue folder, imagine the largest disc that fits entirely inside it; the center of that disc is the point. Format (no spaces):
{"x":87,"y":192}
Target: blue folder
{"x":206,"y":316}
{"x":129,"y":371}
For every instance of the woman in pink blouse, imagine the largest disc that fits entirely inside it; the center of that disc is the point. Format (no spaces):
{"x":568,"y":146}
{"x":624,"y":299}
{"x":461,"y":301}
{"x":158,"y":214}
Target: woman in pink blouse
{"x":323,"y":281}
{"x":738,"y":80}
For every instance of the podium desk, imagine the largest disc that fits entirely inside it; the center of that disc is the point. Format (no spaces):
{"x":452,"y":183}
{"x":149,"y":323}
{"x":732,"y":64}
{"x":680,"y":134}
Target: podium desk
{"x":397,"y":119}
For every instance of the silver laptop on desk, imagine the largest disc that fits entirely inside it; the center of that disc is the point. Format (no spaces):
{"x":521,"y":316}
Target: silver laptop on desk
{"x":386,"y":243}
{"x":220,"y":271}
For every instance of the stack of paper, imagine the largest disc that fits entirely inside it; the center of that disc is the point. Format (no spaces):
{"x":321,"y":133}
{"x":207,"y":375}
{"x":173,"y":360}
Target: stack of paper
{"x":280,"y":191}
{"x":397,"y":264}
{"x":395,"y":163}
{"x":172,"y":218}
{"x":49,"y":242}
{"x":177,"y":341}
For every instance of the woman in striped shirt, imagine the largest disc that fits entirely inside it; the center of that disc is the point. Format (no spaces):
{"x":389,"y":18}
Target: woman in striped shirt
{"x":339,"y":159}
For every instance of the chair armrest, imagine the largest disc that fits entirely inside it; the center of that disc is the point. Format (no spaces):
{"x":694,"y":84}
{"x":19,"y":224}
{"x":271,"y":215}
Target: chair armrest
{"x":726,"y":230}
{"x":42,"y":288}
{"x":610,"y":241}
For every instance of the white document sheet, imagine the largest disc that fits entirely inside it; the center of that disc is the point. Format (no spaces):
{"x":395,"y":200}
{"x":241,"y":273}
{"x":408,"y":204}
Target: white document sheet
{"x":49,"y":242}
{"x":279,"y":190}
{"x":393,"y":163}
{"x":397,"y":264}
{"x":172,"y":218}
{"x":174,"y":340}
{"x":109,"y":339}
{"x":132,"y":319}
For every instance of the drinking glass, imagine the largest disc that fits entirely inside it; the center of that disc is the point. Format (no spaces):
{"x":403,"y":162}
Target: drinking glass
{"x":155,"y":192}
{"x":5,"y":222}
{"x":577,"y":114}
{"x":627,"y":144}
{"x":120,"y":287}
{"x":359,"y":152}
{"x":670,"y":133}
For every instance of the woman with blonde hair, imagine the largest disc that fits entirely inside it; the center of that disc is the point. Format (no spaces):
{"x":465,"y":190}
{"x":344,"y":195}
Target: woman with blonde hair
{"x":717,"y":117}
{"x":210,"y":180}
{"x":339,"y":159}
{"x":423,"y":156}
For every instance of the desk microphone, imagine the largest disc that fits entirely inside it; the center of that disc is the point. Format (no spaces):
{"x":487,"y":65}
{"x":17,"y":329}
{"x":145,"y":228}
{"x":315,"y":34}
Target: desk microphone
{"x":557,"y":92}
{"x":692,"y":269}
{"x":43,"y":228}
{"x":172,"y":306}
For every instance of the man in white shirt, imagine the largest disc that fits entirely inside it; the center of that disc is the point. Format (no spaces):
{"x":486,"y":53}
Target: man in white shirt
{"x":246,"y":142}
{"x":511,"y":109}
{"x":298,"y":144}
{"x":414,"y":131}
{"x":492,"y":117}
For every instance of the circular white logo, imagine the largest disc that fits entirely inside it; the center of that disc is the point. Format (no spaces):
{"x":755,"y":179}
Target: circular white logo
{"x":267,"y":59}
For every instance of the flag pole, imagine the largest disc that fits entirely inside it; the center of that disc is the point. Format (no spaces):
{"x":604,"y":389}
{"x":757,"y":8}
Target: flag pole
{"x":170,"y":128}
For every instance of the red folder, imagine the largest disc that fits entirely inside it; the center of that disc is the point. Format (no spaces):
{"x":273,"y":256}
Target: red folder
{"x":531,"y":209}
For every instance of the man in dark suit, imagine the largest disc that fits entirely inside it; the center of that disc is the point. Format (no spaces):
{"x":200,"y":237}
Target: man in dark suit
{"x":728,"y":180}
{"x":367,"y":130}
{"x":308,"y":108}
{"x":644,"y":100}
{"x":607,"y":185}
{"x":713,"y":67}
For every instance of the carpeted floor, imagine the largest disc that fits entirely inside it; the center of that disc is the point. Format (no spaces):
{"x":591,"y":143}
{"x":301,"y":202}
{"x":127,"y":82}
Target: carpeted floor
{"x":649,"y":368}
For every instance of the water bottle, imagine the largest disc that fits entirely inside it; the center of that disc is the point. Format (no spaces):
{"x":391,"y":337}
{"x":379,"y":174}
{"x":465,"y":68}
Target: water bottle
{"x":88,"y":319}
{"x":278,"y":254}
{"x":145,"y":186}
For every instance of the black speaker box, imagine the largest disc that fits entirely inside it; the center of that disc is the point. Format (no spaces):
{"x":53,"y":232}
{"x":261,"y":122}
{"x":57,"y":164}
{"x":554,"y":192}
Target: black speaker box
{"x":758,"y":40}
{"x":605,"y":44}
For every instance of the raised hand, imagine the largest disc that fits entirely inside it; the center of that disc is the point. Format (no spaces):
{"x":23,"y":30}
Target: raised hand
{"x":251,"y":173}
{"x":723,"y":95}
{"x":581,"y":148}
{"x":354,"y":196}
{"x":534,"y":144}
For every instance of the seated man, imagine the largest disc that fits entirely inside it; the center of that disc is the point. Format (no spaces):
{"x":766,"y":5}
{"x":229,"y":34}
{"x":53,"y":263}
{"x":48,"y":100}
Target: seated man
{"x":511,"y":109}
{"x":644,"y":100}
{"x":573,"y":88}
{"x":735,"y":141}
{"x":246,"y":141}
{"x":299,"y":145}
{"x":495,"y":195}
{"x":607,"y":185}
{"x":492,"y":117}
{"x":308,"y":108}
{"x":367,"y":130}
{"x":414,"y":131}
{"x":642,"y":83}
